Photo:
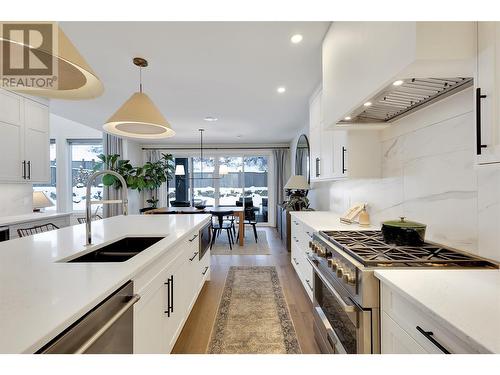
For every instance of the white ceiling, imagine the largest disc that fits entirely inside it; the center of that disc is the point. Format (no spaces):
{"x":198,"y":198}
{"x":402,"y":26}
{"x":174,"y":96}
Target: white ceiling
{"x":228,"y":70}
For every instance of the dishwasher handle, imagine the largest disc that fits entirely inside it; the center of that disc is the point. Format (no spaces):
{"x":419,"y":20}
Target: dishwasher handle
{"x":87,"y":344}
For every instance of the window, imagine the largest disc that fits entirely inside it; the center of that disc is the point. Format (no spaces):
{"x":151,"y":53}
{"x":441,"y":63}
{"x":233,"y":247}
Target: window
{"x":83,"y":161}
{"x":256,"y":187}
{"x":203,"y":189}
{"x":50,"y":188}
{"x":240,"y":175}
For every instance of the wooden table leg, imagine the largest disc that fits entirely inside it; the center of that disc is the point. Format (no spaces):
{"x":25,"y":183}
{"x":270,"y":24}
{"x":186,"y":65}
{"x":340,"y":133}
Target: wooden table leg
{"x":241,"y":227}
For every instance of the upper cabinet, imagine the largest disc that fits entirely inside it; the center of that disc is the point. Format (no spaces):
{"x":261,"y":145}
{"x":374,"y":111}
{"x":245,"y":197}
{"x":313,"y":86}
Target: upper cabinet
{"x":24,"y":139}
{"x":487,"y":98}
{"x":341,"y":153}
{"x":362,"y":58}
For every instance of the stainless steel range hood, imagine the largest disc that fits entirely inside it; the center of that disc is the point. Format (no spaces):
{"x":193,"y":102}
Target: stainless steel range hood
{"x":403,"y":97}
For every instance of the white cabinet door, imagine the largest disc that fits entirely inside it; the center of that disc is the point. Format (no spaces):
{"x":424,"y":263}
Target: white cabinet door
{"x":36,"y":141}
{"x":315,"y":130}
{"x":487,"y":96}
{"x":327,"y":154}
{"x":395,"y":340}
{"x":11,"y":137}
{"x":149,"y":320}
{"x":340,"y":153}
{"x":180,"y":292}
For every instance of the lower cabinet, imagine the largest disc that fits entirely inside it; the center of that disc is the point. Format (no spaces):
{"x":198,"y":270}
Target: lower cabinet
{"x":407,"y":329}
{"x":168,"y":291}
{"x":300,"y":237}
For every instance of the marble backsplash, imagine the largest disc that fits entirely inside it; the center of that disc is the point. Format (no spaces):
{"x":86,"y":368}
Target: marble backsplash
{"x":16,"y":199}
{"x":428,"y":175}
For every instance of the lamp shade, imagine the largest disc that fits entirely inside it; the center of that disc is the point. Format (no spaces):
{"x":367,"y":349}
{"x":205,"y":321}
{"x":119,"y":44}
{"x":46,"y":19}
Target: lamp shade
{"x":179,"y":170}
{"x":297,"y":183}
{"x":223,"y":170}
{"x":73,"y":78}
{"x":40,"y":200}
{"x":138,"y":117}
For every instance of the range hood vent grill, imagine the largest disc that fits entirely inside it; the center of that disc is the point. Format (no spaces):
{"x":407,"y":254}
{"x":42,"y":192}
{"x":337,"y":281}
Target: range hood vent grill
{"x":395,"y":102}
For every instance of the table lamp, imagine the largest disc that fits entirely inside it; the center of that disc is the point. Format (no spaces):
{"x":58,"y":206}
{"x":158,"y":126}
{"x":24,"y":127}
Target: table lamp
{"x":298,"y":186}
{"x":40,"y":200}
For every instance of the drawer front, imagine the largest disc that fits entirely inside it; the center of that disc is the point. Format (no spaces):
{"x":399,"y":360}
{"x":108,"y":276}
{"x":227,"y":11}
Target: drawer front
{"x":409,"y":316}
{"x":303,"y":269}
{"x":395,"y":340}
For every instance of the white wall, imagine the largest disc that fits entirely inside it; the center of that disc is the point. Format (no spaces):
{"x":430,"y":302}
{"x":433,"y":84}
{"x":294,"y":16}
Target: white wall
{"x":16,"y":199}
{"x":429,"y":176}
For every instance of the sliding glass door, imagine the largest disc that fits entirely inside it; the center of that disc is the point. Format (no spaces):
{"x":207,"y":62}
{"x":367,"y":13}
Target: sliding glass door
{"x":224,"y":181}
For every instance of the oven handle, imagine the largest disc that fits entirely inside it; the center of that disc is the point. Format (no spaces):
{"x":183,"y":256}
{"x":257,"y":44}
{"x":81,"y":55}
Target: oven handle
{"x":346,"y":307}
{"x":331,"y":336}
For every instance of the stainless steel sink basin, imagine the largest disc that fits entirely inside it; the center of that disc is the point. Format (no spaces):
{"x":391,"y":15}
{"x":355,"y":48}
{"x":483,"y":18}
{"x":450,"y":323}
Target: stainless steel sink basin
{"x":118,"y":251}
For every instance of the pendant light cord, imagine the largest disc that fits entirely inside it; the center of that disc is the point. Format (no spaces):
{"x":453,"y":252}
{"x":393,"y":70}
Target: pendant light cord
{"x":140,"y":79}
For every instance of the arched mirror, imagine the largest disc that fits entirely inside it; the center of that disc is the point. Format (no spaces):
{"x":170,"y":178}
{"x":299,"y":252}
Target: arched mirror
{"x":302,"y":163}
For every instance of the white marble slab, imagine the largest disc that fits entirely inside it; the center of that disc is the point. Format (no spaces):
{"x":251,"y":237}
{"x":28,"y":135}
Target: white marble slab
{"x":41,"y":296}
{"x":34,"y":216}
{"x":327,"y":220}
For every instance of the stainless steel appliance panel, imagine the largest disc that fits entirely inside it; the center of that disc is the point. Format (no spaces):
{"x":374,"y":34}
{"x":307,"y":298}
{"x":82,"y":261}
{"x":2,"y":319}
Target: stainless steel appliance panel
{"x":205,"y":235}
{"x":107,"y":329}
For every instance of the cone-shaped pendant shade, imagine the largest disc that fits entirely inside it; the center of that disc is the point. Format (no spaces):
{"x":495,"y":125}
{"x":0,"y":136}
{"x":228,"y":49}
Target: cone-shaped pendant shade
{"x":70,"y":77}
{"x":138,"y":117}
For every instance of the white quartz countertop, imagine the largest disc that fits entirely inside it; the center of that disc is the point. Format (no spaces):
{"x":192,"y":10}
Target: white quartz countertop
{"x":327,"y":220}
{"x":9,"y":220}
{"x":41,"y":296}
{"x":466,"y":301}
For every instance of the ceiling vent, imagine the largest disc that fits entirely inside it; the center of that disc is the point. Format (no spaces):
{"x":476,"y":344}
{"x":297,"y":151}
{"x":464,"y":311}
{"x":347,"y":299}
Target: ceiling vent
{"x":403,"y":97}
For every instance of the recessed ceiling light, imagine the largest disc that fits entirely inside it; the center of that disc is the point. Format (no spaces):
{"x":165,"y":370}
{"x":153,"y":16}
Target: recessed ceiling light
{"x":210,"y":119}
{"x":297,"y":38}
{"x":347,"y":118}
{"x":398,"y":82}
{"x":281,"y":89}
{"x":367,"y":104}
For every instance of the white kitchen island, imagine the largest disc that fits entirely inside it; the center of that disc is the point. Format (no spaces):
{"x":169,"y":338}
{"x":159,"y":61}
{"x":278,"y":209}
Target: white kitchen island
{"x":41,"y":296}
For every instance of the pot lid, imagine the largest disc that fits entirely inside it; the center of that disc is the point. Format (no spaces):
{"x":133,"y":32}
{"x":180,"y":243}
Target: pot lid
{"x":403,"y":223}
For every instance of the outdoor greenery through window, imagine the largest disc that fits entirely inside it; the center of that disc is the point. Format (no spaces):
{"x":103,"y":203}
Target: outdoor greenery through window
{"x":50,"y":188}
{"x":83,"y":160}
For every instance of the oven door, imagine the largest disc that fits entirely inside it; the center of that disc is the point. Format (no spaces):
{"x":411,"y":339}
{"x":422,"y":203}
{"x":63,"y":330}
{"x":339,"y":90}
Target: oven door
{"x":340,"y":325}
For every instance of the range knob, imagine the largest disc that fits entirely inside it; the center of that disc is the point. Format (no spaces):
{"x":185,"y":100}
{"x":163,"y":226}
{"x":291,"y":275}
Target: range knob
{"x":340,"y":271}
{"x":332,"y":262}
{"x":349,"y":279}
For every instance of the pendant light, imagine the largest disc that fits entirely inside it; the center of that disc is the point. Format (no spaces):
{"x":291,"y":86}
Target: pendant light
{"x":70,"y":76}
{"x":138,"y":117}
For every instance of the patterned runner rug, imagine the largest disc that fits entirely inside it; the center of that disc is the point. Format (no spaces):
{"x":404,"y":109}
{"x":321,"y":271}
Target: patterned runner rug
{"x":253,"y":316}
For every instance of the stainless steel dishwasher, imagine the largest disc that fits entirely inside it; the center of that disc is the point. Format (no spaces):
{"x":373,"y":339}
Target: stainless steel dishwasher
{"x":107,"y":328}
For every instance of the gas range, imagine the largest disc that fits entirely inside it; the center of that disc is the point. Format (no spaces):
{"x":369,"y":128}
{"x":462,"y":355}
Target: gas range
{"x":350,"y":257}
{"x":346,"y":291}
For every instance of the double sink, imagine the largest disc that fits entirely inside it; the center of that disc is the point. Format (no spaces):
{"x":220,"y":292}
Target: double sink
{"x":118,"y":251}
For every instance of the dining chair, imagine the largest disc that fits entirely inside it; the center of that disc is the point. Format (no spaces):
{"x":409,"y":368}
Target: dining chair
{"x":24,"y":232}
{"x":249,"y":216}
{"x":219,"y":224}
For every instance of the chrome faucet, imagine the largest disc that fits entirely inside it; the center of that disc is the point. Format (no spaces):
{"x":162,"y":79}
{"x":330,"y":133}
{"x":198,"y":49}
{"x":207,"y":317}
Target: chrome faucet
{"x":88,"y":202}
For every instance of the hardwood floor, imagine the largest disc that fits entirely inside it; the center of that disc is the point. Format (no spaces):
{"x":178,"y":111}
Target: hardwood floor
{"x":196,"y":333}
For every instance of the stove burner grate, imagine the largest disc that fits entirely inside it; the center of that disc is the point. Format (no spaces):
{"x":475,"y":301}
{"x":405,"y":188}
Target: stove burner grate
{"x":369,"y":248}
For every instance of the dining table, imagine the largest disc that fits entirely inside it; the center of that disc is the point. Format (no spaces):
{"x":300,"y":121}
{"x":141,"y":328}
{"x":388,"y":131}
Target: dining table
{"x":238,"y":212}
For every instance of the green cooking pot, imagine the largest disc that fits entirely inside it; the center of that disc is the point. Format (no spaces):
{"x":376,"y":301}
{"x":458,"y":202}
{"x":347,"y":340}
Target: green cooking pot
{"x":403,"y":233}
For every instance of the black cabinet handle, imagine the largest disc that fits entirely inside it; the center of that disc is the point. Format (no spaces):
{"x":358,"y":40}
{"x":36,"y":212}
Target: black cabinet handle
{"x":24,"y":169}
{"x":295,"y":260}
{"x":317,"y":167}
{"x":429,"y":336}
{"x":343,"y":160}
{"x":29,"y":169}
{"x":205,"y":271}
{"x":170,"y":295}
{"x":479,"y":145}
{"x":192,"y":239}
{"x":194,"y":256}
